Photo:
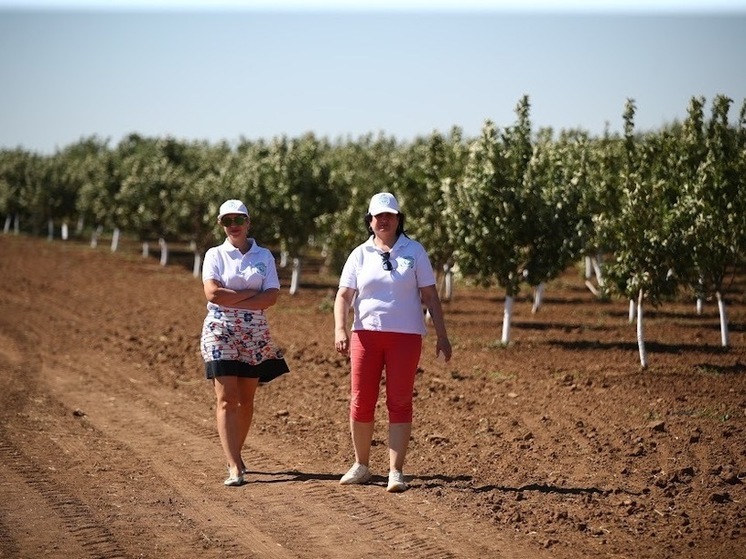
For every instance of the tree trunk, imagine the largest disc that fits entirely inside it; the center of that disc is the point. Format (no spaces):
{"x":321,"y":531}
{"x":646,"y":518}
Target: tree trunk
{"x":295,"y":278}
{"x":197,"y":266}
{"x":164,"y":251}
{"x":448,"y":282}
{"x":641,"y":334}
{"x":538,"y":298}
{"x":95,"y":235}
{"x":724,"y":341}
{"x":597,"y":270}
{"x":632,"y":311}
{"x":115,"y":240}
{"x":507,"y":316}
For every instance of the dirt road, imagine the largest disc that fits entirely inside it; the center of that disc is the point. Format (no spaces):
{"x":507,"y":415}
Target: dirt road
{"x":557,"y":446}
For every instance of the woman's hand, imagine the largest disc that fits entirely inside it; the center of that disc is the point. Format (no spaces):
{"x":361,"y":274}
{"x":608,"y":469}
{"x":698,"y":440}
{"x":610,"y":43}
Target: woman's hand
{"x":443,"y":347}
{"x":341,"y":341}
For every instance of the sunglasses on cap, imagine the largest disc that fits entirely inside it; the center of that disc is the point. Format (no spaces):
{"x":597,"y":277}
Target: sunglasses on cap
{"x":227,"y":221}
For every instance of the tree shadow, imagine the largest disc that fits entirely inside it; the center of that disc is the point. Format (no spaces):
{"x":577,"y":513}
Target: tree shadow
{"x":652,"y":347}
{"x":543,"y":488}
{"x":565,"y":326}
{"x":735,"y":369}
{"x":552,"y":301}
{"x":442,"y":482}
{"x":661,"y":314}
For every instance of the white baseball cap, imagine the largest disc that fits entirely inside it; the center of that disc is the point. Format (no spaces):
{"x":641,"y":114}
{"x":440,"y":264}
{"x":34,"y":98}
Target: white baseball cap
{"x":232,"y":207}
{"x":383,"y":202}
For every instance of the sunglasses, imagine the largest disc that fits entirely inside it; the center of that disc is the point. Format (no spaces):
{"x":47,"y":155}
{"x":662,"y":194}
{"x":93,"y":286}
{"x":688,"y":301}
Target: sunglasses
{"x":387,"y":265}
{"x":227,"y":221}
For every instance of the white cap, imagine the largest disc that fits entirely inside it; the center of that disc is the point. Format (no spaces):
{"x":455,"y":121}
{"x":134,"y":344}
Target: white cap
{"x":232,"y":207}
{"x":383,"y":202}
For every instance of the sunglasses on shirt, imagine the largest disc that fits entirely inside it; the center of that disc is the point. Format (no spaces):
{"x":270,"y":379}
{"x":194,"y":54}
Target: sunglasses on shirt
{"x":387,"y":265}
{"x":227,"y":221}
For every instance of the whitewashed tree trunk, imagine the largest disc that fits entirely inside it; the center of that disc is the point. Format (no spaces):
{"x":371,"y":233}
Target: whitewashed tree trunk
{"x":593,"y":266}
{"x":538,"y":298}
{"x":632,"y":309}
{"x":17,"y":225}
{"x":592,"y":288}
{"x":164,"y":251}
{"x":115,"y":240}
{"x":295,"y":277}
{"x":145,"y":249}
{"x":95,"y":235}
{"x":724,"y":337}
{"x":64,"y":232}
{"x":8,"y":221}
{"x":507,"y":317}
{"x":197,"y":261}
{"x":597,"y":270}
{"x":448,"y":288}
{"x":700,"y":305}
{"x":79,"y":228}
{"x":284,"y":258}
{"x":641,"y":334}
{"x":50,"y":230}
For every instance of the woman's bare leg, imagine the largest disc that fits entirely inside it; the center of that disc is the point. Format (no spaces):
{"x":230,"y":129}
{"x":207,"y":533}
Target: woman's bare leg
{"x":234,"y":411}
{"x":399,"y":434}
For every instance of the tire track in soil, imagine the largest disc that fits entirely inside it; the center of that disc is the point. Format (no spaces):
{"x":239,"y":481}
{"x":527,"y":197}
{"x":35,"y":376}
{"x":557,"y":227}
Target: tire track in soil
{"x":281,"y":514}
{"x":88,"y":537}
{"x":21,"y":480}
{"x":303,"y":515}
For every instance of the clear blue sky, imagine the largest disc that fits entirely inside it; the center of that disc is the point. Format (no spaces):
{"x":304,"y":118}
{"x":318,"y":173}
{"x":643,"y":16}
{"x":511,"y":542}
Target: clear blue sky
{"x":69,"y":70}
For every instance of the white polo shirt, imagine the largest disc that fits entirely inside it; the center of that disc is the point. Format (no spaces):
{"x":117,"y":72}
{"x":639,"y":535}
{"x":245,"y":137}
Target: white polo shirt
{"x":388,"y":301}
{"x":254,"y":270}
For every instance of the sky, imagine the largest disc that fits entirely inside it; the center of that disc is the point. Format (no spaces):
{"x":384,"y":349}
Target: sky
{"x":242,"y":69}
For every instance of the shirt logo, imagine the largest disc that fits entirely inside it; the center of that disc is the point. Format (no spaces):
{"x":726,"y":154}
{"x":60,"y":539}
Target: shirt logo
{"x":262,"y":268}
{"x":409,"y":260}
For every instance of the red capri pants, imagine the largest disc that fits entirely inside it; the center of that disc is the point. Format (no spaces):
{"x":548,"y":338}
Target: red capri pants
{"x":370,"y":353}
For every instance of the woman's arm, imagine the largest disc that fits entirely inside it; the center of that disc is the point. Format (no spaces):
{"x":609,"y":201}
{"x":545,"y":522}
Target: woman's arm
{"x":250,"y":299}
{"x":342,"y":304}
{"x":431,"y":299}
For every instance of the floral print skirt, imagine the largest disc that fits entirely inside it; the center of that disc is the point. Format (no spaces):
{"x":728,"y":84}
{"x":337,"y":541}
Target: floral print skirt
{"x":236,"y":342}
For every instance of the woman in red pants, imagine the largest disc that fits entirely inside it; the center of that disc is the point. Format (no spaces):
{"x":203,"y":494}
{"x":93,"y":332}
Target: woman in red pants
{"x":385,"y":280}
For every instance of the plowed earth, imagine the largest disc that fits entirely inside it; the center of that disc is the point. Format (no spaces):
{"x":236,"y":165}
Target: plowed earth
{"x":558,"y":445}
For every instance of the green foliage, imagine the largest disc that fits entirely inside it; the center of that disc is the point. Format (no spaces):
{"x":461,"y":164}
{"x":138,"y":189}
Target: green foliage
{"x":509,"y":206}
{"x":643,"y":235}
{"x":426,"y":168}
{"x":357,"y":170}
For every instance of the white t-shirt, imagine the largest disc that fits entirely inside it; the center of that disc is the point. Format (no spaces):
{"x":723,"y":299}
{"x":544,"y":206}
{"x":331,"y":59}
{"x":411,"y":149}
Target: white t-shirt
{"x":388,"y":301}
{"x":254,"y":270}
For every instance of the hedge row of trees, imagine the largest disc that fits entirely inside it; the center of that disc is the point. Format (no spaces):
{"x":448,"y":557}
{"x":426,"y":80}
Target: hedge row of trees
{"x":665,"y":209}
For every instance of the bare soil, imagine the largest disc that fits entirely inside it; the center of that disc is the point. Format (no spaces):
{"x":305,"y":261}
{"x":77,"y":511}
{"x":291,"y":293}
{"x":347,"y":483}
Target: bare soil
{"x":558,"y":445}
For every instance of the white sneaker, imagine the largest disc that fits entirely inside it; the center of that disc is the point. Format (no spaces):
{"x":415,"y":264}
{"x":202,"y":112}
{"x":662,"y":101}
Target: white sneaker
{"x":359,"y":473}
{"x":234,"y":481}
{"x":396,"y":482}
